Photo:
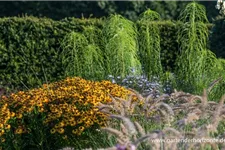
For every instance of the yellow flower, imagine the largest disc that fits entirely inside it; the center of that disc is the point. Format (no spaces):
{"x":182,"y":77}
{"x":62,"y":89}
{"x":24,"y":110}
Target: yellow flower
{"x":81,"y":128}
{"x":12,"y":114}
{"x":45,"y":100}
{"x":39,"y":104}
{"x":72,"y":123}
{"x":74,"y":131}
{"x":71,"y":119}
{"x":41,"y":109}
{"x":52,"y":131}
{"x":7,"y":126}
{"x":64,"y":99}
{"x":65,"y":137}
{"x":2,"y":140}
{"x":61,"y":124}
{"x":2,"y":131}
{"x":60,"y":130}
{"x":89,"y":123}
{"x":19,"y":131}
{"x":19,"y":116}
{"x":57,"y":126}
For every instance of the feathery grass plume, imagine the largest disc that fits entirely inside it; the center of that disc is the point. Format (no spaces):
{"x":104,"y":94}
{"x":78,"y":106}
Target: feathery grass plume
{"x":120,"y":135}
{"x":195,"y":63}
{"x":124,"y":138}
{"x":201,"y":126}
{"x":128,"y":105}
{"x":173,"y":131}
{"x":200,"y":111}
{"x":128,"y":124}
{"x":216,"y":118}
{"x":172,"y":134}
{"x":124,"y":107}
{"x":120,"y":40}
{"x":127,"y":138}
{"x":166,"y":111}
{"x":149,"y":44}
{"x":82,"y":57}
{"x":143,"y":107}
{"x":139,"y":128}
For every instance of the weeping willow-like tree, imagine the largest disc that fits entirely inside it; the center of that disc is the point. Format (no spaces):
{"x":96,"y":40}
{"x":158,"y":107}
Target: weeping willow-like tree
{"x":73,"y":45}
{"x":218,"y":85}
{"x":93,"y":35}
{"x":81,"y":56}
{"x":93,"y":57}
{"x":149,"y":43}
{"x":196,"y":66}
{"x":120,"y":40}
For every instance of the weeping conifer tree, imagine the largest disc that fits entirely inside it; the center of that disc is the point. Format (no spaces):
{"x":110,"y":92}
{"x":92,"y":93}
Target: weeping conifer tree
{"x":93,"y":58}
{"x":149,"y":43}
{"x":81,"y":56}
{"x":196,"y":66}
{"x":120,"y":40}
{"x":73,"y":45}
{"x":218,"y":85}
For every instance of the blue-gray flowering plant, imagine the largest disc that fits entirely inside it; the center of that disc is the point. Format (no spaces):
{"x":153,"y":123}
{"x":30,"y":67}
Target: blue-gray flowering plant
{"x":139,"y":83}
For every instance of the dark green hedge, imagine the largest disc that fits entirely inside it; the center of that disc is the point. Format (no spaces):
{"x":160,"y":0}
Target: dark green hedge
{"x":30,"y":48}
{"x":217,"y":38}
{"x":169,"y":45}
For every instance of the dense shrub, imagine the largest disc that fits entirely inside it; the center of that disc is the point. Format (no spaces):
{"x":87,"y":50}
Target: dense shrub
{"x":64,"y":109}
{"x":30,"y":49}
{"x":217,"y":38}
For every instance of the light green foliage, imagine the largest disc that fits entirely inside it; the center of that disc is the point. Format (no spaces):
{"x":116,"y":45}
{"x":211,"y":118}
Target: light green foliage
{"x":120,"y":40}
{"x":73,"y":45}
{"x":194,"y":62}
{"x":93,"y":63}
{"x":218,"y":73}
{"x":81,"y":56}
{"x":192,"y":38}
{"x":93,"y":58}
{"x":149,"y":44}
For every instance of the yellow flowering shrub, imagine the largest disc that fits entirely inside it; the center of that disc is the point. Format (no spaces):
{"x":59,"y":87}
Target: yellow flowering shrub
{"x":69,"y":105}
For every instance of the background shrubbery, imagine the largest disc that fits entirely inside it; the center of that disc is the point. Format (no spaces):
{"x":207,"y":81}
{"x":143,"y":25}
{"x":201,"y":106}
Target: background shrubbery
{"x":31,"y":48}
{"x":130,"y":9}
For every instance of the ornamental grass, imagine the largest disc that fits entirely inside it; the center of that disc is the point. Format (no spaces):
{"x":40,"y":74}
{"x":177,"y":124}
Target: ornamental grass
{"x":65,"y":108}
